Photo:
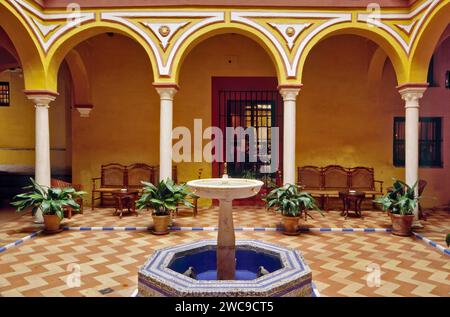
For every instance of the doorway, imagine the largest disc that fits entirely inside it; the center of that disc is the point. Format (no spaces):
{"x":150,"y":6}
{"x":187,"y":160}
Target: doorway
{"x":243,"y":102}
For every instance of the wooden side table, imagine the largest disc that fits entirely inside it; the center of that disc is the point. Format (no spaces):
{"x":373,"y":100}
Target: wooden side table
{"x":349,"y":197}
{"x":125,"y":199}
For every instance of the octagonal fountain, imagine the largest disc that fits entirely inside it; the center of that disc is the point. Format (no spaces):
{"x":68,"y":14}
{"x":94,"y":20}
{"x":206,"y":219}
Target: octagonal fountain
{"x":225,"y":267}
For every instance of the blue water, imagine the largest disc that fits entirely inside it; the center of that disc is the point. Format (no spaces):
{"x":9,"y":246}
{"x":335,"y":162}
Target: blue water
{"x":247,"y":263}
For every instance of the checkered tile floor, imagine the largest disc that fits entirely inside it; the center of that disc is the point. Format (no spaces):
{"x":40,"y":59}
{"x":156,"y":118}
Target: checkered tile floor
{"x":341,"y":262}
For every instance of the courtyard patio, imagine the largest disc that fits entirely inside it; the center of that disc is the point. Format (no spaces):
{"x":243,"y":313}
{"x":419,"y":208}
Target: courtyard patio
{"x":108,"y":251}
{"x":294,"y":105}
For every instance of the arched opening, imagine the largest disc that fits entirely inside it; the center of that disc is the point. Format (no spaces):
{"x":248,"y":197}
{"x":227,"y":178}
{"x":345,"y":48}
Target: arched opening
{"x":432,"y":33}
{"x":59,"y":51}
{"x":238,"y":30}
{"x":390,"y":48}
{"x":433,"y":154}
{"x":344,"y":112}
{"x":112,"y":73}
{"x":17,"y":118}
{"x":221,"y":80}
{"x":25,"y":49}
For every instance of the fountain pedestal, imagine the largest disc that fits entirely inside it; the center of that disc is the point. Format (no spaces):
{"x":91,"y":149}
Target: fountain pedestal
{"x":225,"y":190}
{"x":226,"y":242}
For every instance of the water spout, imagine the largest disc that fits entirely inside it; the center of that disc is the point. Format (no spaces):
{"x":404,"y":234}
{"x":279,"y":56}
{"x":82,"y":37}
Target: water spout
{"x":225,"y":173}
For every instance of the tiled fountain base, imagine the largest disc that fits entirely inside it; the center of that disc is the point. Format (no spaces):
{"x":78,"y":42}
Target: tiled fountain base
{"x":294,"y":278}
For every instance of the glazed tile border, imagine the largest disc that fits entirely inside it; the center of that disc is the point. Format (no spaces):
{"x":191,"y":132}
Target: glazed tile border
{"x":255,"y":229}
{"x":20,"y":241}
{"x":252,"y":229}
{"x":156,"y":270}
{"x":316,"y":292}
{"x":432,"y":243}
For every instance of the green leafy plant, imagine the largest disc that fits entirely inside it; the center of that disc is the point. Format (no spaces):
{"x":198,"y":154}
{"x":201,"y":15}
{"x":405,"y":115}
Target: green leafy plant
{"x":163,"y":197}
{"x":50,"y":200}
{"x":291,"y":202}
{"x":447,"y":239}
{"x":249,"y":174}
{"x":269,"y":181}
{"x":401,"y":200}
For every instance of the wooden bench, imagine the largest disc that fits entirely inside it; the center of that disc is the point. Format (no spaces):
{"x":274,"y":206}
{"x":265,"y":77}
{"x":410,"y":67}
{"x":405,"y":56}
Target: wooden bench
{"x":113,"y":177}
{"x":117,"y":176}
{"x":326,"y":182}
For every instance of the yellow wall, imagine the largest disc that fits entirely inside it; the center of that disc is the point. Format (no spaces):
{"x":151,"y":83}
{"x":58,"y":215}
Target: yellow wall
{"x":435,"y":102}
{"x":208,"y":59}
{"x":17,"y":126}
{"x":124,"y":125}
{"x":341,"y":119}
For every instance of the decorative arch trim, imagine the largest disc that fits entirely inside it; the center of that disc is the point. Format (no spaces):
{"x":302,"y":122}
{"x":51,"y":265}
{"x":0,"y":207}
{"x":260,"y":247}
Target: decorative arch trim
{"x":411,"y":29}
{"x":290,"y":65}
{"x":164,"y":65}
{"x":47,"y":34}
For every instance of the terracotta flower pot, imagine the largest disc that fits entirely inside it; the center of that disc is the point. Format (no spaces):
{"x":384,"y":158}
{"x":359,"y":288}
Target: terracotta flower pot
{"x":52,"y":223}
{"x":290,"y":225}
{"x":161,"y":224}
{"x":401,"y":224}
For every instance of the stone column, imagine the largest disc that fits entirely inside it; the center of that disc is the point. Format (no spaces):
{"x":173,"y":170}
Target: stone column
{"x":41,"y":100}
{"x":411,"y":93}
{"x":289,"y":94}
{"x":166,"y":93}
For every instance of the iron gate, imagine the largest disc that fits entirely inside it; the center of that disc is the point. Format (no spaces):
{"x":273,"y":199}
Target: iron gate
{"x":261,"y":110}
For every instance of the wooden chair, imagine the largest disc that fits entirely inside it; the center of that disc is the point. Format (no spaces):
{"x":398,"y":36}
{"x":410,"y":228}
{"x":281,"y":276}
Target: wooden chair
{"x":63,"y":184}
{"x":310,"y":179}
{"x":113,"y":177}
{"x":194,"y":197}
{"x":362,"y":179}
{"x":140,"y":172}
{"x":335,"y":179}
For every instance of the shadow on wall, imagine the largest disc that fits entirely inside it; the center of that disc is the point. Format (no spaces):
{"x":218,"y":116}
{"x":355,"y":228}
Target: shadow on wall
{"x":12,"y":183}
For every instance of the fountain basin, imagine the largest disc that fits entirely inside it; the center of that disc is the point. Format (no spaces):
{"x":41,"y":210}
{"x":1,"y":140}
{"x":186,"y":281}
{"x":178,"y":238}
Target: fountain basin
{"x":289,"y":275}
{"x":204,"y":261}
{"x":225,"y":188}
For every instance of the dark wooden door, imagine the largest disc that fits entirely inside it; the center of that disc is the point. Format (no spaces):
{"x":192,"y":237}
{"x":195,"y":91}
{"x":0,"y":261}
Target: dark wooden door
{"x":249,"y":102}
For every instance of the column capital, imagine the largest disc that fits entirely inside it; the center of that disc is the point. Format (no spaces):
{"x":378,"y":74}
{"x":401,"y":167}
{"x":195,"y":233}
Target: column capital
{"x":289,"y":92}
{"x":166,"y":90}
{"x":84,"y":109}
{"x":41,"y":98}
{"x":412,"y":92}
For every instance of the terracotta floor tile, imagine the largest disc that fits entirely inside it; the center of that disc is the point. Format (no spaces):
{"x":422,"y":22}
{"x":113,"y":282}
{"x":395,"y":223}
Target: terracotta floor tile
{"x":339,"y":261}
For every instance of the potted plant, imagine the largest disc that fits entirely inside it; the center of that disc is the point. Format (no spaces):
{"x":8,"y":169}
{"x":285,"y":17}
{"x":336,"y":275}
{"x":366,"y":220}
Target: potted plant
{"x":50,"y":200}
{"x":292,"y":204}
{"x":400,"y":203}
{"x":163,"y":198}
